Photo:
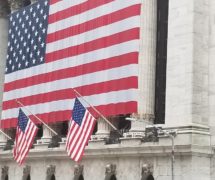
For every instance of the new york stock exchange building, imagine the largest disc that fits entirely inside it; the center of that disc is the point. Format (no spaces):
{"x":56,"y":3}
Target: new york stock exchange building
{"x":144,"y":70}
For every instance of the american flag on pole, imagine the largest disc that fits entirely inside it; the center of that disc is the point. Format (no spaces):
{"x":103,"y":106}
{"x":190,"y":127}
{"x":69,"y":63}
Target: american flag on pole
{"x":57,"y":45}
{"x":25,"y":133}
{"x":80,"y":130}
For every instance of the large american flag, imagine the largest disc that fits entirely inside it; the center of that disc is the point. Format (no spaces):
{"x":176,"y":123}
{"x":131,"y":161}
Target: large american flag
{"x":25,"y":133}
{"x":57,"y":45}
{"x":80,"y":130}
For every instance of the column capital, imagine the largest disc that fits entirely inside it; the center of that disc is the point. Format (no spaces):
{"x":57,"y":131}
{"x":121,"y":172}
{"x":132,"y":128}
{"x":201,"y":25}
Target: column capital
{"x":4,"y":8}
{"x":15,"y":4}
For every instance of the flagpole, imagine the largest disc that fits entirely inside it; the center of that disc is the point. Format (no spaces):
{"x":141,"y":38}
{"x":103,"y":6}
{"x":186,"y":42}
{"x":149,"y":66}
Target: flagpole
{"x":5,"y":135}
{"x":100,"y":114}
{"x":37,"y":117}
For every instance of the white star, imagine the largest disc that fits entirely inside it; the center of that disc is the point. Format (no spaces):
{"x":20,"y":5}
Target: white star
{"x":26,"y":30}
{"x":16,"y":59}
{"x":6,"y":69}
{"x":17,"y":15}
{"x":23,"y":25}
{"x":45,"y":16}
{"x":23,"y":57}
{"x":8,"y":43}
{"x":46,"y":2}
{"x":38,"y":6}
{"x":19,"y":65}
{"x":13,"y":23}
{"x":13,"y":67}
{"x":14,"y":54}
{"x":24,"y":44}
{"x":41,"y":11}
{"x":15,"y":41}
{"x":26,"y":63}
{"x":24,"y":12}
{"x":10,"y":31}
{"x":41,"y":59}
{"x":42,"y":44}
{"x":39,"y":38}
{"x":44,"y":30}
{"x":35,"y":47}
{"x":32,"y":41}
{"x":40,"y":25}
{"x":20,"y":20}
{"x":12,"y":36}
{"x":34,"y":14}
{"x":11,"y":18}
{"x":28,"y":49}
{"x":17,"y":46}
{"x":29,"y":36}
{"x":7,"y":56}
{"x":36,"y":33}
{"x":16,"y":28}
{"x":11,"y":48}
{"x":19,"y":33}
{"x":29,"y":23}
{"x":33,"y":28}
{"x":37,"y":20}
{"x":34,"y":61}
{"x":22,"y":38}
{"x":31,"y":55}
{"x":10,"y":62}
{"x":20,"y":52}
{"x":38,"y":53}
{"x":31,"y":9}
{"x":27,"y":17}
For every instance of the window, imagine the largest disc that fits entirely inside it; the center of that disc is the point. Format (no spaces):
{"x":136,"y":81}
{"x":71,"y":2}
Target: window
{"x":161,"y":60}
{"x":52,"y":177}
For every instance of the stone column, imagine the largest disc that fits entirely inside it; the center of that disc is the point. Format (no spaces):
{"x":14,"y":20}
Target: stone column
{"x":15,"y":4}
{"x":147,"y":65}
{"x":4,"y":11}
{"x":187,"y":63}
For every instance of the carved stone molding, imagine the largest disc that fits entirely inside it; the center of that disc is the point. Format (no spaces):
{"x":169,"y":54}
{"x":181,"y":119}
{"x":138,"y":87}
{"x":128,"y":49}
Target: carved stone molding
{"x":4,"y":172}
{"x":109,"y":171}
{"x":78,"y":171}
{"x":4,"y":8}
{"x":50,"y":171}
{"x":26,"y":172}
{"x":147,"y":171}
{"x":15,"y":4}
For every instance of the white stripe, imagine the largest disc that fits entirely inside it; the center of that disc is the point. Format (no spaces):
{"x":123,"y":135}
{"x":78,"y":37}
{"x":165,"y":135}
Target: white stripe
{"x":91,"y":14}
{"x":116,"y":50}
{"x":103,"y":31}
{"x":100,"y":76}
{"x":85,"y":139}
{"x":74,"y":128}
{"x":82,"y":140}
{"x":61,"y":5}
{"x":81,"y":132}
{"x":101,"y":99}
{"x":77,"y":134}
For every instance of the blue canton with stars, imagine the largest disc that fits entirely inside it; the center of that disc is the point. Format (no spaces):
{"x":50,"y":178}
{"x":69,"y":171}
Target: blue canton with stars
{"x":22,"y":120}
{"x":27,"y":36}
{"x":78,"y":112}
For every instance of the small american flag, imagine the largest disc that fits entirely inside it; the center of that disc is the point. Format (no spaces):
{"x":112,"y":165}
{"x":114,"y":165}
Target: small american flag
{"x":79,"y":133}
{"x":25,"y":133}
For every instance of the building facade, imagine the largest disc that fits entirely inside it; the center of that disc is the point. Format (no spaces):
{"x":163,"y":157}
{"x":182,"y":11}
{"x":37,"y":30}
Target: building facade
{"x":177,"y":82}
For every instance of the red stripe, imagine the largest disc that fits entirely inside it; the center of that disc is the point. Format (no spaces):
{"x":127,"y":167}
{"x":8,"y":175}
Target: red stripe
{"x":95,"y":23}
{"x":84,"y":139}
{"x":51,"y":2}
{"x":77,"y":135}
{"x":77,"y":9}
{"x":99,"y":65}
{"x":109,"y":109}
{"x":94,"y":45}
{"x":88,"y":138}
{"x":98,"y":88}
